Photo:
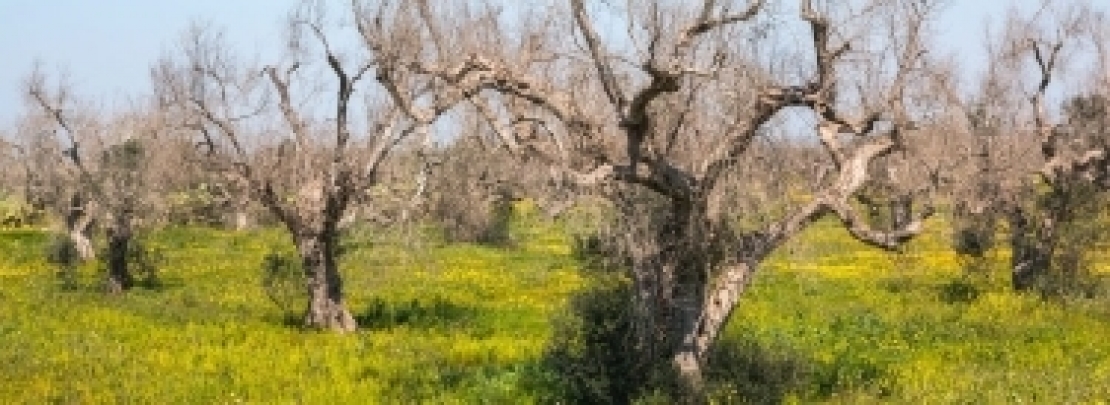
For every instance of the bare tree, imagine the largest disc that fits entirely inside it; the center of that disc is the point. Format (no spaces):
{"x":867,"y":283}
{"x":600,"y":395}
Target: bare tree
{"x":316,"y":163}
{"x":670,"y":105}
{"x":104,"y":173}
{"x":1070,"y":156}
{"x":78,"y":219}
{"x":9,"y":160}
{"x":30,"y":154}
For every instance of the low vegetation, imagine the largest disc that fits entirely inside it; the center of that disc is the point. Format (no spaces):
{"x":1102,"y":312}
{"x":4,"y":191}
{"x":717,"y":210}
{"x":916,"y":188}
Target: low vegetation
{"x":826,"y":320}
{"x":742,"y":202}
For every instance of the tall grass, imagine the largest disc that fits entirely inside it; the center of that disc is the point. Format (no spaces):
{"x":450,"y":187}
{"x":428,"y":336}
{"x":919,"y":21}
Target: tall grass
{"x":855,"y":325}
{"x":447,"y":323}
{"x":826,"y":320}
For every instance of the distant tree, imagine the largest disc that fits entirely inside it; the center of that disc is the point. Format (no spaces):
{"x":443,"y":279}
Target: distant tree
{"x":307,"y":169}
{"x":1054,"y":215}
{"x":101,"y":165}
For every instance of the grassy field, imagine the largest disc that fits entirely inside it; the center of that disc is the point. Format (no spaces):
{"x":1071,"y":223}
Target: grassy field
{"x":827,"y":320}
{"x":836,"y":321}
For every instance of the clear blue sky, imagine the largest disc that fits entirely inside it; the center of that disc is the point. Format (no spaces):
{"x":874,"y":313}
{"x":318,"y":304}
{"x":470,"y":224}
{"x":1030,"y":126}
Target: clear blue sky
{"x":106,"y":46}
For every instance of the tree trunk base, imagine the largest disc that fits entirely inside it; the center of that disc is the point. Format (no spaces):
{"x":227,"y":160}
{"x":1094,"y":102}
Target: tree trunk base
{"x":113,"y":287}
{"x":83,"y":245}
{"x":690,"y":374}
{"x":332,"y":316}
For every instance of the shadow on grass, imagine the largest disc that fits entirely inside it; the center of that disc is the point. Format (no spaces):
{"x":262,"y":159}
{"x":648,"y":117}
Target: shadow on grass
{"x":961,"y":290}
{"x":958,"y":291}
{"x":81,"y":281}
{"x":432,"y":313}
{"x":740,"y":370}
{"x":748,"y":371}
{"x":159,"y":283}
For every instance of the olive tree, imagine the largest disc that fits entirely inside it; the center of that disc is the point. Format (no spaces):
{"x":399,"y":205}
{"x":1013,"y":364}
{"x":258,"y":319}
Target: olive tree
{"x":298,"y":133}
{"x":1051,"y":196}
{"x":99,"y":164}
{"x":665,"y":101}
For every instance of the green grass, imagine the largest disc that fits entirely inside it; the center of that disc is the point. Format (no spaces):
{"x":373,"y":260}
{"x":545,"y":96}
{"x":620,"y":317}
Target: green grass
{"x":826,"y":320}
{"x":854,"y":325}
{"x":446,"y":324}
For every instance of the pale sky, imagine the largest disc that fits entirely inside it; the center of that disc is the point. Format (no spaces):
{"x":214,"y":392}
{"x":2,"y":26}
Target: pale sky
{"x":106,"y":46}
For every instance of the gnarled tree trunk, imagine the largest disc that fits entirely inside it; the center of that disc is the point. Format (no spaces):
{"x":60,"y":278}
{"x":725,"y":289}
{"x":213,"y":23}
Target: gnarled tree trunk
{"x":78,"y":227}
{"x":1031,"y":254}
{"x":326,"y":309}
{"x":706,"y":312}
{"x":242,"y":220}
{"x":119,"y":235}
{"x":687,"y":286}
{"x":702,"y":330}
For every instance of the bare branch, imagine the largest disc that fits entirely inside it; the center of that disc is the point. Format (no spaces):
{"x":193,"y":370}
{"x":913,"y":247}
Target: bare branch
{"x":600,"y":58}
{"x":292,"y":117}
{"x":706,"y":22}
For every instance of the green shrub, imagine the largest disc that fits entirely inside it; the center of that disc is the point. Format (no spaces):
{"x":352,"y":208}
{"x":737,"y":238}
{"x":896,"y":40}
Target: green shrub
{"x":592,"y":357}
{"x":145,"y":260}
{"x":497,"y":229}
{"x":62,"y":253}
{"x":478,"y":218}
{"x":959,"y":290}
{"x":284,"y":282}
{"x":748,"y":371}
{"x":973,"y":240}
{"x":16,"y":214}
{"x":597,"y":254}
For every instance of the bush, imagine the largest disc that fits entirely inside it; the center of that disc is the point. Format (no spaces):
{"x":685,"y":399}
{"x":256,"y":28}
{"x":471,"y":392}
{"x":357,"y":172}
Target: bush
{"x":1064,"y":228}
{"x":973,"y":240}
{"x":284,"y":282}
{"x":476,"y":218}
{"x":145,"y":261}
{"x":747,"y":371}
{"x":471,"y":192}
{"x":62,"y":253}
{"x":15,"y":214}
{"x":959,"y":290}
{"x":591,"y":357}
{"x":597,"y":254}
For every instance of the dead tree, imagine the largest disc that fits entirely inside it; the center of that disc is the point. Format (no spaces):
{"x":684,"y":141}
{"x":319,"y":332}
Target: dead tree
{"x":105,"y":163}
{"x":312,"y":168}
{"x":1044,"y":216}
{"x":671,"y":114}
{"x":79,"y":216}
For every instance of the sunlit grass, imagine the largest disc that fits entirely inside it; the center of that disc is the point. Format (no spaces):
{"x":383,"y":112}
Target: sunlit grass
{"x":912,"y":328}
{"x":459,"y":323}
{"x":445,"y":323}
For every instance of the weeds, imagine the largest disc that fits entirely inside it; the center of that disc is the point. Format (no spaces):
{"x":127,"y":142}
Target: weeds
{"x":461,"y":323}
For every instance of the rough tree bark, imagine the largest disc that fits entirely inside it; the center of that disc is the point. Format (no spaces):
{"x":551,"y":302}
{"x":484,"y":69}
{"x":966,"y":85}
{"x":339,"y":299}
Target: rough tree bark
{"x":309,"y":178}
{"x":95,"y":191}
{"x":78,"y":224}
{"x":119,"y":235}
{"x":316,"y":235}
{"x":326,"y":308}
{"x":690,"y":268}
{"x":1071,"y":164}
